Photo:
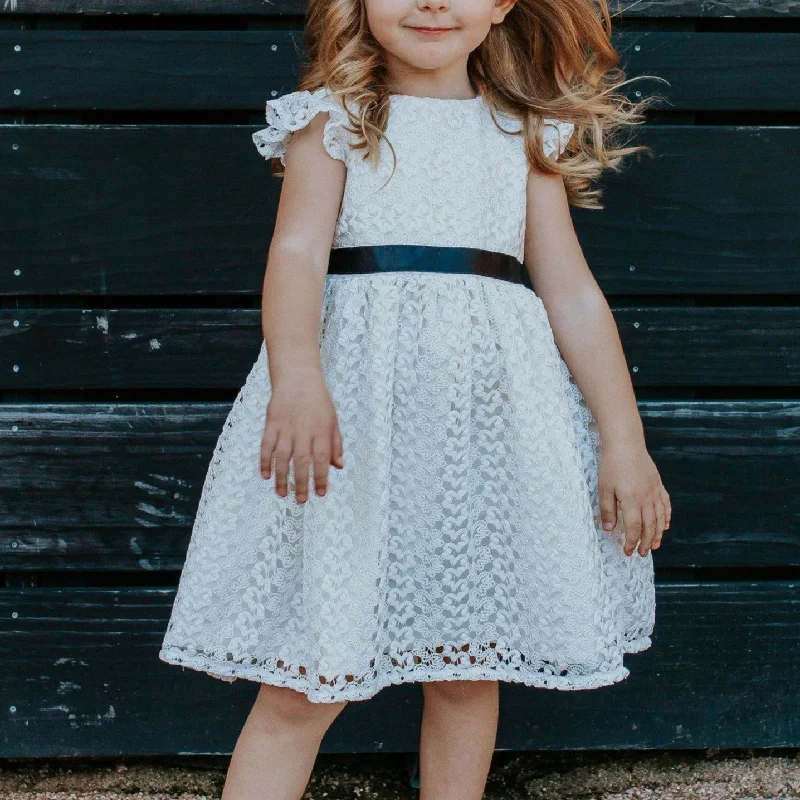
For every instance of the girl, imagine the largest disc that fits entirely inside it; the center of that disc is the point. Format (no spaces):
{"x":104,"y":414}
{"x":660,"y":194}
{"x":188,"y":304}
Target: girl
{"x":468,"y":531}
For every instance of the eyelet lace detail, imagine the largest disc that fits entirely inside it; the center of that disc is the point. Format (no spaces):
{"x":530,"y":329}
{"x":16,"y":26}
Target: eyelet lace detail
{"x":293,"y":111}
{"x":462,"y":539}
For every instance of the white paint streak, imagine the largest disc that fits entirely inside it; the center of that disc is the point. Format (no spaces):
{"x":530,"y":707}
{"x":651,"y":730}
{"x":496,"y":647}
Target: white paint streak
{"x":102,"y":324}
{"x":169,"y":479}
{"x":146,"y":508}
{"x":131,"y":335}
{"x":150,"y":489}
{"x":55,"y":174}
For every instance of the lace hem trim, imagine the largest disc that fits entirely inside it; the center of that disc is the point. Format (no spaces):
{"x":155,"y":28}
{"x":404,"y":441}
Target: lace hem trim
{"x":230,"y":671}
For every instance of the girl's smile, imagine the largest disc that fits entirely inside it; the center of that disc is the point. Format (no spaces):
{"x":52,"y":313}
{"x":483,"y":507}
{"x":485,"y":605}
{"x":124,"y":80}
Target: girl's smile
{"x":430,"y":30}
{"x":426,"y":46}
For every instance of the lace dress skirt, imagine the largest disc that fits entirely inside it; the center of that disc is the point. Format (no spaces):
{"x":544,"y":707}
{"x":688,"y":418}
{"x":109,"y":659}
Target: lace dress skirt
{"x":462,"y":538}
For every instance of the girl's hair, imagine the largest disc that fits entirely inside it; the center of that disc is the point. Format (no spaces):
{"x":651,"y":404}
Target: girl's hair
{"x":548,"y":58}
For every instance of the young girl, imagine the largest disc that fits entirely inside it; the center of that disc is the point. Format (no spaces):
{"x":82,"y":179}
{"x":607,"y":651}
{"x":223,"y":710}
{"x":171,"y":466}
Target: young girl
{"x":468,"y":531}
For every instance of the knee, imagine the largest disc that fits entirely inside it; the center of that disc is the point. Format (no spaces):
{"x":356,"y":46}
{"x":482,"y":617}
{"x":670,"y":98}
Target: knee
{"x":459,"y":691}
{"x":282,"y":707}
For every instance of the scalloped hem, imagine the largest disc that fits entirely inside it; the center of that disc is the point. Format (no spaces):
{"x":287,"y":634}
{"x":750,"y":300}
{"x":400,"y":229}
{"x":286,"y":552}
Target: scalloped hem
{"x":230,"y":672}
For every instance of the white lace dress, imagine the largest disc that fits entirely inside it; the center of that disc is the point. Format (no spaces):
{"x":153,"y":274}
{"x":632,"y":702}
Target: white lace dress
{"x":462,"y":538}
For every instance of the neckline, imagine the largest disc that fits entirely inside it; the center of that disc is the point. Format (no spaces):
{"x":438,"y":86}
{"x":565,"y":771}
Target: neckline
{"x":425,"y":98}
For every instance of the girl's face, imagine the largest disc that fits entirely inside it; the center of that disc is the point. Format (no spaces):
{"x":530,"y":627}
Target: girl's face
{"x":432,"y":57}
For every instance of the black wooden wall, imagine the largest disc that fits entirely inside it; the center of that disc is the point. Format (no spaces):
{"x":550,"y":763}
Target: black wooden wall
{"x":136,"y":216}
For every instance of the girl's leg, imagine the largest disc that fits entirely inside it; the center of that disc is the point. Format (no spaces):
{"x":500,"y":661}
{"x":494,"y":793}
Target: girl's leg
{"x":459,"y":727}
{"x":277,"y":747}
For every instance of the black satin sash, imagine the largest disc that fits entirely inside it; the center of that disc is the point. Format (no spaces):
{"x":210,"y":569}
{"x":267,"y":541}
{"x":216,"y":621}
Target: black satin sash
{"x":366,"y":259}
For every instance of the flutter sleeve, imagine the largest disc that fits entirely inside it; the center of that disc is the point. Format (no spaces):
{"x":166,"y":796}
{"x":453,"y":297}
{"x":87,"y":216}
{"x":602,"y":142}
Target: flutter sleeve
{"x":293,"y":111}
{"x":556,"y":135}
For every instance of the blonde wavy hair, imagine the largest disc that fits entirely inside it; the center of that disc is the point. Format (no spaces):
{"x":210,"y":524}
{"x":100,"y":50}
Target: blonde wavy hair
{"x":548,"y":58}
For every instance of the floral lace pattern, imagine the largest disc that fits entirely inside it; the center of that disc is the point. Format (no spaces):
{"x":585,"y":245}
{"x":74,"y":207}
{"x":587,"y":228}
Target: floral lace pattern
{"x":293,"y":111}
{"x":454,"y":165}
{"x":462,"y":538}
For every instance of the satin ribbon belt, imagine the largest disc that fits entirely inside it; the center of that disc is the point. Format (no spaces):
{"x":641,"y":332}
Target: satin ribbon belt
{"x":366,"y":259}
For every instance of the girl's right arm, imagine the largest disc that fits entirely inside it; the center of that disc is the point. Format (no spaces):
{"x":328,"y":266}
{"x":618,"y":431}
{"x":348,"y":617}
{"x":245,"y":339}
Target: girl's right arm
{"x":301,"y":421}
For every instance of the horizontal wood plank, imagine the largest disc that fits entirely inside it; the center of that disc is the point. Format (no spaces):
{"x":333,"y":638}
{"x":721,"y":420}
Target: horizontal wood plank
{"x":80,"y":674}
{"x":714,"y":211}
{"x":200,"y":348}
{"x":147,"y":69}
{"x":115,"y":487}
{"x":622,"y":9}
{"x":255,"y":8}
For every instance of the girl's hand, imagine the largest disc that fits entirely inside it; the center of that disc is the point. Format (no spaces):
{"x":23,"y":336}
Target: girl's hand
{"x":628,"y":474}
{"x":301,"y":425}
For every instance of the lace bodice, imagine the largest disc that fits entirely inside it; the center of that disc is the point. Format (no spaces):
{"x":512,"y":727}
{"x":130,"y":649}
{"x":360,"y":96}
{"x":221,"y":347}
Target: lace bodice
{"x":459,"y":180}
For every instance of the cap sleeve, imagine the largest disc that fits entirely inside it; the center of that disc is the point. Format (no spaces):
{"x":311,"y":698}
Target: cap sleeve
{"x":556,"y":135}
{"x":293,"y":111}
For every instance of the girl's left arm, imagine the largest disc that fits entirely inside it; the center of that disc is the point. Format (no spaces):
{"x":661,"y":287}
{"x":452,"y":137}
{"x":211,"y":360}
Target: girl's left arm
{"x":586,"y":334}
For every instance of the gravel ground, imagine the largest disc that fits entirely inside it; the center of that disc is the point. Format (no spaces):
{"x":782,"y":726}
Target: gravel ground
{"x":625,"y":775}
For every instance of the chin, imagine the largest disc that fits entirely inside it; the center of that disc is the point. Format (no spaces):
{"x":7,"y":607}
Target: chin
{"x":429,"y":57}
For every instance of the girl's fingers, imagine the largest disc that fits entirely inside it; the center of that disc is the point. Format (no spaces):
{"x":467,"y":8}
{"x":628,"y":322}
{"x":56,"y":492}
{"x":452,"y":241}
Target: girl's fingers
{"x":283,"y":452}
{"x":632,"y":517}
{"x":648,"y":527}
{"x":667,"y":506}
{"x":268,"y":441}
{"x":608,"y":506}
{"x":337,"y":448}
{"x":661,"y":518}
{"x":302,"y":458}
{"x":322,"y":462}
